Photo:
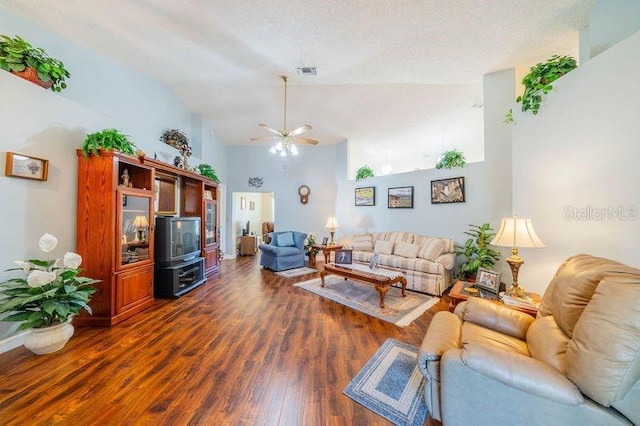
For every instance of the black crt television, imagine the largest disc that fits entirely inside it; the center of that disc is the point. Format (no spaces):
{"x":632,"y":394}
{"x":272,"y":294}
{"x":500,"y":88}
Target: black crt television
{"x":177,"y":239}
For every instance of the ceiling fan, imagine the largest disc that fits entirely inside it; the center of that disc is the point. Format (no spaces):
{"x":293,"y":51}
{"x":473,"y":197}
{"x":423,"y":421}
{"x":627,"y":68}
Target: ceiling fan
{"x":285,"y":138}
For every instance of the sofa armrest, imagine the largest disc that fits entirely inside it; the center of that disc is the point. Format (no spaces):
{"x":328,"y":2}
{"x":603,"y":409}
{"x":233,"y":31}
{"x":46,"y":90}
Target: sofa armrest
{"x":520,"y":372}
{"x":443,"y":334}
{"x":447,"y":260}
{"x":497,"y":317}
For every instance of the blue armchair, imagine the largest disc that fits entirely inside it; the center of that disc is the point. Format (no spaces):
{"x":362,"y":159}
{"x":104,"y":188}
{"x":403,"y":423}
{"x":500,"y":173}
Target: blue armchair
{"x":285,"y":251}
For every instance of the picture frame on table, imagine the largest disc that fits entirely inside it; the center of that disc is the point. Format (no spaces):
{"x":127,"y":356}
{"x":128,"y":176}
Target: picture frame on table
{"x":343,"y":257}
{"x":365,"y":196}
{"x":325,"y":241}
{"x":26,"y":166}
{"x":444,"y":191}
{"x":373,"y":263}
{"x":488,"y":280}
{"x":400,"y":197}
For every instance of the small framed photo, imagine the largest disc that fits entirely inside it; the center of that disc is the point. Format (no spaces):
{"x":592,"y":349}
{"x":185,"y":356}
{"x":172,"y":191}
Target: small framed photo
{"x":343,"y":257}
{"x":366,"y":196}
{"x":243,"y":203}
{"x":373,"y":263}
{"x":400,"y":198}
{"x":488,"y":280}
{"x":447,"y":191}
{"x":252,"y":205}
{"x":325,"y":241}
{"x":24,"y":166}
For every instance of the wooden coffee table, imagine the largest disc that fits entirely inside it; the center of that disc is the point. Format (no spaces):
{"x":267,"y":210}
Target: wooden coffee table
{"x":380,"y":282}
{"x":459,"y":294}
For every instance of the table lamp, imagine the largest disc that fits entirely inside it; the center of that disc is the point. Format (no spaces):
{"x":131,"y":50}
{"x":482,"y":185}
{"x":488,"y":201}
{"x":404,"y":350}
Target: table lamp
{"x":140,"y":223}
{"x":332,"y":224}
{"x":516,"y":232}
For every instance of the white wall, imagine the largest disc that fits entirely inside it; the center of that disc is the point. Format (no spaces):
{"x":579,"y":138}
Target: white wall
{"x":581,"y":152}
{"x":611,"y":21}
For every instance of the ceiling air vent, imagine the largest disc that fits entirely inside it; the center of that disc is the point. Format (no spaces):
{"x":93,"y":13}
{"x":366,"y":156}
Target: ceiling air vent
{"x":307,"y":71}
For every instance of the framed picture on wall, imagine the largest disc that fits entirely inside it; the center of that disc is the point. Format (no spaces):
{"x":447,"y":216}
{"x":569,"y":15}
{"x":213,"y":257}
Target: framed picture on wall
{"x":400,"y":197}
{"x":447,"y":191}
{"x":366,"y":196}
{"x":252,"y":205}
{"x":24,"y":166}
{"x":243,"y":203}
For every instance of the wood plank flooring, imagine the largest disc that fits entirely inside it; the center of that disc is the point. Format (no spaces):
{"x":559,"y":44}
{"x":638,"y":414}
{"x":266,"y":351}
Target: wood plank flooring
{"x":245,"y":348}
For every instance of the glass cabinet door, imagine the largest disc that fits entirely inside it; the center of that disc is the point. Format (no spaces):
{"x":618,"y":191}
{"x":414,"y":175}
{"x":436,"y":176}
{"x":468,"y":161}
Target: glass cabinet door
{"x":135,"y":221}
{"x":210,"y":223}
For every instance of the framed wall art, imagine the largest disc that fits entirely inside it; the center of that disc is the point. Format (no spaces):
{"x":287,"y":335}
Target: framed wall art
{"x":447,"y":191}
{"x":400,"y":197}
{"x":243,"y":203}
{"x":25,"y":166}
{"x":366,"y":196}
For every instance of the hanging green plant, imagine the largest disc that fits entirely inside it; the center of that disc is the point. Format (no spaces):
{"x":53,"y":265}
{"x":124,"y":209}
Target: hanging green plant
{"x":451,"y":159}
{"x":538,"y":82}
{"x":109,"y":139}
{"x":207,"y":171}
{"x":364,"y":172}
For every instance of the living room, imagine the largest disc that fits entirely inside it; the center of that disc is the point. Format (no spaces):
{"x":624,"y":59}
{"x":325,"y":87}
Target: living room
{"x":557,"y":167}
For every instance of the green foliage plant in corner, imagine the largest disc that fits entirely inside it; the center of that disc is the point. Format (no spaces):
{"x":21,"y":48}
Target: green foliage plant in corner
{"x":108,"y":139}
{"x":451,"y":159}
{"x":364,"y":172}
{"x":207,"y":171}
{"x":476,"y":252}
{"x":538,"y":82}
{"x":18,"y":56}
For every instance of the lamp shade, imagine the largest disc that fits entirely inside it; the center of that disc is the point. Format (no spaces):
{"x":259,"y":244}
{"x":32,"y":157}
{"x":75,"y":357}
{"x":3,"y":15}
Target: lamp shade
{"x":140,"y":222}
{"x":332,"y":222}
{"x":516,"y":232}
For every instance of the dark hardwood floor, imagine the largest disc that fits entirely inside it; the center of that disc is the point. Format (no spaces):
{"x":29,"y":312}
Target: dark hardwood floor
{"x":245,"y":348}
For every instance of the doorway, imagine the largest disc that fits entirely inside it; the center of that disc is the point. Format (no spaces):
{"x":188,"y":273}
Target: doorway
{"x":248,"y":212}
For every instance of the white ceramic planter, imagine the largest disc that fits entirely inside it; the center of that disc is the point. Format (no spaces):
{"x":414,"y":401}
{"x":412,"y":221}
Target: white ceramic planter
{"x":47,"y":340}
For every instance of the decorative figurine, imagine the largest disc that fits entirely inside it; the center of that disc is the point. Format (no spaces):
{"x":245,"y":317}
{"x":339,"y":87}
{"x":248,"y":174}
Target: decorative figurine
{"x":125,"y":178}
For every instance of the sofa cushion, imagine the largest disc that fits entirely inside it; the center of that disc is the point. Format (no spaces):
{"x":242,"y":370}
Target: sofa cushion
{"x":415,"y":264}
{"x":284,"y":239}
{"x":548,"y":343}
{"x":279,"y":251}
{"x":406,"y":249}
{"x":431,"y":248}
{"x":362,"y":256}
{"x":363,"y":242}
{"x":383,"y":247}
{"x":397,"y":237}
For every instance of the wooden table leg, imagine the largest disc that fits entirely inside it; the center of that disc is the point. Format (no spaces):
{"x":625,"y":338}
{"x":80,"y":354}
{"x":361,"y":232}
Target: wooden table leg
{"x":322,"y":274}
{"x":382,"y":289}
{"x":326,"y":253}
{"x":312,"y":258}
{"x":404,"y":287}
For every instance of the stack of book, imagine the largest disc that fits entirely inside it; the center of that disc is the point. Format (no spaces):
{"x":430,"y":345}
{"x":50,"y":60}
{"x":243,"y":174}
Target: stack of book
{"x":521,"y":302}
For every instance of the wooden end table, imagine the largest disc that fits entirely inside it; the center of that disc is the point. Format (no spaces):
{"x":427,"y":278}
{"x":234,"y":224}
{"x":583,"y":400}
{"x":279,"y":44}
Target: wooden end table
{"x":326,"y":250}
{"x":380,"y":282}
{"x":458,"y":294}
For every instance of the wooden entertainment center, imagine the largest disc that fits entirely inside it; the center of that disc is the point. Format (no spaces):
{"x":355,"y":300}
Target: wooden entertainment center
{"x":119,"y":196}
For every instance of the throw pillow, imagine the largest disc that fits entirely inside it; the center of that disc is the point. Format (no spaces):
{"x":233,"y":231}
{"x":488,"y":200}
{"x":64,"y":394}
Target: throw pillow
{"x":285,"y":239}
{"x":363,"y":242}
{"x":383,"y":247}
{"x":431,"y":249}
{"x":406,"y":250}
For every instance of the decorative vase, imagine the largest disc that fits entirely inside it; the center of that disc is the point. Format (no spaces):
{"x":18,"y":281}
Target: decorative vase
{"x":31,"y":75}
{"x":47,"y":340}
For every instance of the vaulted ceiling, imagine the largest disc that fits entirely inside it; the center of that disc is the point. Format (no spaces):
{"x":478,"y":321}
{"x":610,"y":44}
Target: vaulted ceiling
{"x":384,"y":67}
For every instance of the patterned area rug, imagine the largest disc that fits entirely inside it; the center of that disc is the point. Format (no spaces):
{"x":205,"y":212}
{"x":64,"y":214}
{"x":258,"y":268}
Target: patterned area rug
{"x":291,"y":273}
{"x":363,"y":297}
{"x":391,"y":385}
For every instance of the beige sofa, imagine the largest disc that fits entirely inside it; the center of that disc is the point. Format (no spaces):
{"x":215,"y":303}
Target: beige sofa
{"x":425,"y":261}
{"x":577,"y":363}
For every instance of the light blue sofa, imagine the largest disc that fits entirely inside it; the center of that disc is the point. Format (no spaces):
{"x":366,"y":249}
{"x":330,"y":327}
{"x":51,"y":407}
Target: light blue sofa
{"x":279,"y":256}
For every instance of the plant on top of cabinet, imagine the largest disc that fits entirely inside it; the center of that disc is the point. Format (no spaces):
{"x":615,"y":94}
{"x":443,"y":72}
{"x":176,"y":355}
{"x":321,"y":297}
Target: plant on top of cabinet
{"x":32,"y":63}
{"x":538,"y":82}
{"x":108,"y":139}
{"x":364,"y":172}
{"x":207,"y":171}
{"x":451,"y":159}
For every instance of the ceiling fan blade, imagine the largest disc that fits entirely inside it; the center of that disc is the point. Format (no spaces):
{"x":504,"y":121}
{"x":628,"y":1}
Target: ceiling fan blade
{"x":266,"y":138}
{"x":305,"y":140}
{"x":277,"y":132}
{"x":300,"y":130}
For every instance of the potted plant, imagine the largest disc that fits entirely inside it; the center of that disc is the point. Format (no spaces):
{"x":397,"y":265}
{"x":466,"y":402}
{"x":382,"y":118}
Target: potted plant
{"x":32,"y":63}
{"x":308,"y":242}
{"x":46,"y":298}
{"x":476,"y":252}
{"x":364,"y":172}
{"x":108,"y":139}
{"x":207,"y":171}
{"x":451,"y":159}
{"x":538,"y":82}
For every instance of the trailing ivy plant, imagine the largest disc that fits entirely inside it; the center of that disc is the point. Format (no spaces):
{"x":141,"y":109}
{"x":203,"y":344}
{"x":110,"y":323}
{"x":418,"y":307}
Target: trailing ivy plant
{"x":364,"y":172}
{"x":16,"y":55}
{"x":538,"y":82}
{"x":109,"y":139}
{"x":207,"y":171}
{"x":476,"y":252}
{"x":451,"y":159}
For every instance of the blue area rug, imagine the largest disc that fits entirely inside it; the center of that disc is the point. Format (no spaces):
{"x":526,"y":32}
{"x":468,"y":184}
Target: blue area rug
{"x":391,"y":385}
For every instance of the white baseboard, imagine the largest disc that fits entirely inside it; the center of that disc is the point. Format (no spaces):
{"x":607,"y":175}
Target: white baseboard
{"x":229,"y":256}
{"x":12,"y":342}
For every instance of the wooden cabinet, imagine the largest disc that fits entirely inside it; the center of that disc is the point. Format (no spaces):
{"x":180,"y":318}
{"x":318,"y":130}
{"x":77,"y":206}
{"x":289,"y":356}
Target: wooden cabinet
{"x":210,"y":230}
{"x":248,"y":245}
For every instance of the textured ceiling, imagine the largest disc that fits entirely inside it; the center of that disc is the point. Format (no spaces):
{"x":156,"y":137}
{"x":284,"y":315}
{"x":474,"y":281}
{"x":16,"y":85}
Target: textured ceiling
{"x":223,"y":58}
